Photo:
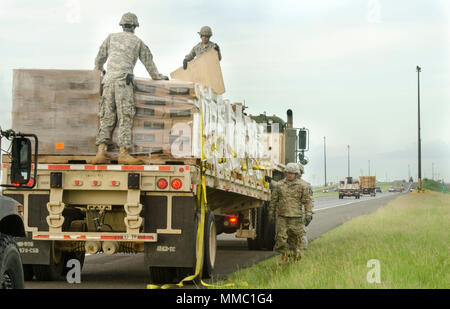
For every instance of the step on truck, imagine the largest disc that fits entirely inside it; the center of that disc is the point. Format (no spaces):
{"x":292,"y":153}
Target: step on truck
{"x":349,"y":187}
{"x":76,"y":208}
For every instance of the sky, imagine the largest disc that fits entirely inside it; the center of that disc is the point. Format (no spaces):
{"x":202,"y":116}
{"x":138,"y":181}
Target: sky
{"x":346,"y":68}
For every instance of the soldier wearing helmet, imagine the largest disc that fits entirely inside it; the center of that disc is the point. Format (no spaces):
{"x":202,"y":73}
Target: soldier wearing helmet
{"x":289,"y":199}
{"x":122,"y":51}
{"x":205,"y":45}
{"x":307,"y":208}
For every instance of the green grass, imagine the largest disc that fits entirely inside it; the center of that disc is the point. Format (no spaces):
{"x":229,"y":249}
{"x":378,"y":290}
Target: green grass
{"x":433,"y":185}
{"x":409,"y":237}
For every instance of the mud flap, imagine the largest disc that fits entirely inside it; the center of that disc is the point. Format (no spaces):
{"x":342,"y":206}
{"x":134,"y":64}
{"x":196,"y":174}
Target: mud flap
{"x":33,"y":251}
{"x":171,"y":250}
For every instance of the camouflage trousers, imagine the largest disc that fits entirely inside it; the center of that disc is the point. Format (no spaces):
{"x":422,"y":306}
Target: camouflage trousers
{"x":288,"y":238}
{"x":116,"y":106}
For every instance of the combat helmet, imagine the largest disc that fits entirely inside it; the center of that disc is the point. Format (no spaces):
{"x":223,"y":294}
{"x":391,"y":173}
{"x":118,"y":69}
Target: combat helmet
{"x":130,"y":19}
{"x":205,"y":30}
{"x":292,"y":168}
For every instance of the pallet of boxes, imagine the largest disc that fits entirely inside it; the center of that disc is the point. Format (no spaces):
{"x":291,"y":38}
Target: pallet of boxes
{"x":61,"y":108}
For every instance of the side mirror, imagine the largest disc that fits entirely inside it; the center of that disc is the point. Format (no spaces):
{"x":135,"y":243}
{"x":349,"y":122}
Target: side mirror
{"x":21,"y":161}
{"x":303,"y":139}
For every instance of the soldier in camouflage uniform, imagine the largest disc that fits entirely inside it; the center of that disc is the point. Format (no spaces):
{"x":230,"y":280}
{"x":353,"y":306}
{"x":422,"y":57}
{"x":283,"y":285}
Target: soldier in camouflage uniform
{"x":307,"y":208}
{"x":203,"y":46}
{"x":122,"y":51}
{"x":289,"y":196}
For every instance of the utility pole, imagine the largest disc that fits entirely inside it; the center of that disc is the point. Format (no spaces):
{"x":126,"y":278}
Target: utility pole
{"x":325,"y":159}
{"x":369,"y":168}
{"x":432,"y":170}
{"x":348,"y":159}
{"x":419,"y":172}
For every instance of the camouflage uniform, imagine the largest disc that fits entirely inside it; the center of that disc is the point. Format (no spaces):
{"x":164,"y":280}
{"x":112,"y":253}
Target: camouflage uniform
{"x":287,"y":200}
{"x":122,"y":51}
{"x":199,"y":49}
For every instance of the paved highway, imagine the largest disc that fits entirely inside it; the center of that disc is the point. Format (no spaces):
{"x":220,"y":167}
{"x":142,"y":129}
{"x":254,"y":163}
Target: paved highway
{"x":126,"y":271}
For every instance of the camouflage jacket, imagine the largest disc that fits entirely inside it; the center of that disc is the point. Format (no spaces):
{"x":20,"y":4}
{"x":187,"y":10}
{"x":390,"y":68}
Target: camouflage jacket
{"x":122,"y":51}
{"x":289,"y":198}
{"x":199,"y":49}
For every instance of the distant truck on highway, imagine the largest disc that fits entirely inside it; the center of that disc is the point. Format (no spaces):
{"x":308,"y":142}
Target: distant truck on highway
{"x":368,"y":185}
{"x":398,"y":186}
{"x":349,"y":187}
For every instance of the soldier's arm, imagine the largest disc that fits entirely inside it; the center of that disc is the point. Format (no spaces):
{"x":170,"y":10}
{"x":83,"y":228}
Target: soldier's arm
{"x":102,"y":55}
{"x":190,"y":56}
{"x":306,"y":201}
{"x":273,"y":200}
{"x":216,"y":47}
{"x":146,"y":58}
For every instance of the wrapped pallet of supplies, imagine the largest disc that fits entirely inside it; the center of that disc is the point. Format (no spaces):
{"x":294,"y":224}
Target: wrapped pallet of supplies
{"x":59,"y":106}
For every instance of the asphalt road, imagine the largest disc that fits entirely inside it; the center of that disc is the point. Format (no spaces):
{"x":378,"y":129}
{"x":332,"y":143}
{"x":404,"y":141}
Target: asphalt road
{"x":127,"y":271}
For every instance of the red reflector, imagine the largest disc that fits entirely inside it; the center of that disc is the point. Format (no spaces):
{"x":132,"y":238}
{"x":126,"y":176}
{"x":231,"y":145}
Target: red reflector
{"x":177,"y":184}
{"x":16,"y":184}
{"x":95,"y":183}
{"x":181,"y":170}
{"x":232,"y":219}
{"x":77,"y":182}
{"x":164,"y":168}
{"x":162,"y":183}
{"x":114,"y":183}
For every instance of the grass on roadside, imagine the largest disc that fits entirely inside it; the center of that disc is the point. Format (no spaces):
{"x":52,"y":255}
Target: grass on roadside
{"x":409,"y":237}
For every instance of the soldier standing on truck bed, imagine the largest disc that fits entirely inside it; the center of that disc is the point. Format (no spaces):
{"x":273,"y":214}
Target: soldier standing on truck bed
{"x":289,"y":196}
{"x":122,"y":51}
{"x":203,"y":46}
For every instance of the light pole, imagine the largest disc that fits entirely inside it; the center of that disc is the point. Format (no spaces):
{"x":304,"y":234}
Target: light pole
{"x":369,"y":168}
{"x":419,"y":173}
{"x":325,"y":159}
{"x":348,"y":159}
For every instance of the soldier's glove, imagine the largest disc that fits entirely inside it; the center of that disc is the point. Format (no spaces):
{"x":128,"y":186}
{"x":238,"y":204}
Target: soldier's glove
{"x":164,"y":77}
{"x":216,"y":47}
{"x":185,"y":64}
{"x":308,"y":220}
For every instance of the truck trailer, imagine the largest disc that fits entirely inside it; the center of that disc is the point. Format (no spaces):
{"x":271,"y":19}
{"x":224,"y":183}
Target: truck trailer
{"x":208,"y":164}
{"x":368,"y":185}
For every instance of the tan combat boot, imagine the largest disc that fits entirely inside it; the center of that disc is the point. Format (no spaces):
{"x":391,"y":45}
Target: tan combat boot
{"x":127,"y":159}
{"x":102,"y":156}
{"x":284,"y":259}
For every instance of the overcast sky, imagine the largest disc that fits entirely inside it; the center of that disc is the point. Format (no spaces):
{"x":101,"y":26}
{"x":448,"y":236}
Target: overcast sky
{"x":347,"y":68}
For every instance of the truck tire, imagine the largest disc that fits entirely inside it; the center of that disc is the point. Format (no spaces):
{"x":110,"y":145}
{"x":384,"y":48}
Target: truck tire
{"x":210,"y":245}
{"x":162,"y":275}
{"x":54,"y":271}
{"x":256,"y":244}
{"x":268,"y":228}
{"x":11,"y":271}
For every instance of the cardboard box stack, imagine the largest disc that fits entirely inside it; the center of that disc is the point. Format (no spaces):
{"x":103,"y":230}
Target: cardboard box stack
{"x":164,"y":117}
{"x":59,"y":106}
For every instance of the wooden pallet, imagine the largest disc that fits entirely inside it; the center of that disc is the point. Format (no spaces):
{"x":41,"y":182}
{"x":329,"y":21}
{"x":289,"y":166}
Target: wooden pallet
{"x":85,"y":159}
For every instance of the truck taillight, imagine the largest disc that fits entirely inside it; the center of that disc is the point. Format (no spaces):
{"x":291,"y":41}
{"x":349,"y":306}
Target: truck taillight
{"x":115,"y":183}
{"x":162,"y":183}
{"x":96,"y":182}
{"x":78,"y":183}
{"x":233,"y":220}
{"x":177,"y":184}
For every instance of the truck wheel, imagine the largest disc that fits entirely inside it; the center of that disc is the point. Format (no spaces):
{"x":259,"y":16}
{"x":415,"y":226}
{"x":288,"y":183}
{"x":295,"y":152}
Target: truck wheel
{"x":268,"y":229}
{"x":11,"y":272}
{"x":161,"y":275}
{"x":256,"y":244}
{"x":210,"y":245}
{"x":55,"y":270}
